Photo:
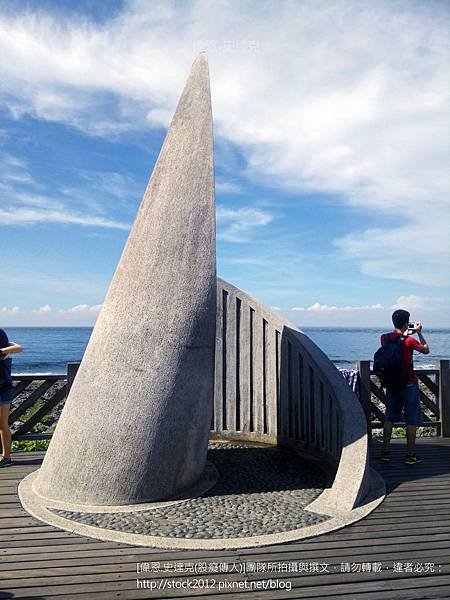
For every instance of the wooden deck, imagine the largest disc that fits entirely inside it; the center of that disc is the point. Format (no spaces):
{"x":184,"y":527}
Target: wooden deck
{"x":411,"y":528}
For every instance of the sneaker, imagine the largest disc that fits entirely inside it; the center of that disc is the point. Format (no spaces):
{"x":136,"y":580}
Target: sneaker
{"x":5,"y":462}
{"x":385,"y":456}
{"x":412,"y":459}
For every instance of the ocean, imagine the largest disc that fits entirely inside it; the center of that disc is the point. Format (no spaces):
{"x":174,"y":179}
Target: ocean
{"x":49,"y":349}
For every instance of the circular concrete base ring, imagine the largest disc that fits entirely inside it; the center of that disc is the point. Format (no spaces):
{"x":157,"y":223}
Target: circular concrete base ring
{"x":41,"y":508}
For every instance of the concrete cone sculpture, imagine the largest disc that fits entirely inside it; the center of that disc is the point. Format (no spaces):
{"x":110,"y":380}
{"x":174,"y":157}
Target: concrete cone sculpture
{"x":135,"y":425}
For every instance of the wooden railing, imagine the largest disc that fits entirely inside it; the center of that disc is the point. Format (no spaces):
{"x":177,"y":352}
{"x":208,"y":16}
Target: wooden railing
{"x":35,"y":399}
{"x":38,"y":399}
{"x":37,"y":403}
{"x":434,"y":386}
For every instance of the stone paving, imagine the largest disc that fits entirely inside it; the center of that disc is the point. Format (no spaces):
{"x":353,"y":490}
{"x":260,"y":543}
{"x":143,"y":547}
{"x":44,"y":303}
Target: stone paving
{"x":260,"y":491}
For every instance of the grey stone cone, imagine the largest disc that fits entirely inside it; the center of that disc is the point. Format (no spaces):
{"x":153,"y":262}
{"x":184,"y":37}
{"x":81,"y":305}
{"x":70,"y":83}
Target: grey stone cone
{"x":135,"y":425}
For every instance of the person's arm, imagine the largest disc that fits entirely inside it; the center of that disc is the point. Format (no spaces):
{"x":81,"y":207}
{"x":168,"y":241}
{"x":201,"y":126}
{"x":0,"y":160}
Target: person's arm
{"x":11,"y":349}
{"x":423,"y":347}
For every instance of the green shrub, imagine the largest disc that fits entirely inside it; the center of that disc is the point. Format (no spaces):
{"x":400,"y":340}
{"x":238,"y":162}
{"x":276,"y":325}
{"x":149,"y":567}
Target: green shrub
{"x":29,"y":445}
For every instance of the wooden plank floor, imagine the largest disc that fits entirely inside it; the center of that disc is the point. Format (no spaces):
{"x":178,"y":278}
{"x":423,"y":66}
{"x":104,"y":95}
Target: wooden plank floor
{"x":411,"y":528}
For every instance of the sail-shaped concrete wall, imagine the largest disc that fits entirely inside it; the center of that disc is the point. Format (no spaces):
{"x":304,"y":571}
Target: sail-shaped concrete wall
{"x":135,"y":425}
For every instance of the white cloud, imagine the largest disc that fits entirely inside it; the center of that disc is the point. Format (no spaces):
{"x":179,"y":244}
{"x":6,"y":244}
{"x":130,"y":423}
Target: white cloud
{"x":325,"y":308}
{"x":46,"y":316}
{"x":28,"y":216}
{"x":29,"y":205}
{"x":344,"y":97}
{"x":117,"y":185}
{"x":158,"y":117}
{"x":14,"y":310}
{"x":45,"y":309}
{"x":227,"y":187}
{"x":434,"y":312}
{"x":237,"y":225}
{"x":409,"y":303}
{"x":84,"y":309}
{"x":416,"y":252}
{"x":13,"y":171}
{"x":260,"y":262}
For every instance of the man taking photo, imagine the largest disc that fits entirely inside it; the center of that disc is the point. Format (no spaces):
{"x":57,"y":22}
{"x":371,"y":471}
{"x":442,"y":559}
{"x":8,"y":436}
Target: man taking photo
{"x":404,"y":397}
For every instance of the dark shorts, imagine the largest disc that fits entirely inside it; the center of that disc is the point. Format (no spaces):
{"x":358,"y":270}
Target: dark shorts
{"x":407,"y":401}
{"x":6,"y":396}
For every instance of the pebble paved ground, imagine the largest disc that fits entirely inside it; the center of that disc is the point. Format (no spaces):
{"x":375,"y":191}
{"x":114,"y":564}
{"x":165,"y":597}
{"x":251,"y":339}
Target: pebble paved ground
{"x":261,"y":490}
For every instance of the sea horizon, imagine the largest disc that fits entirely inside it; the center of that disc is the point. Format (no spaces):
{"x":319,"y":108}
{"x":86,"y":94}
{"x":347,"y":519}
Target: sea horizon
{"x":47,"y":350}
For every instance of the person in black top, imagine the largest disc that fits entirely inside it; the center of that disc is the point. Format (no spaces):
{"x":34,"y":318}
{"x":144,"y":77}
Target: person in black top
{"x":6,"y":393}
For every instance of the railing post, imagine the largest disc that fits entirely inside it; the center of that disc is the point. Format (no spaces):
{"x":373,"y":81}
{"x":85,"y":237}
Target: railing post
{"x":444,"y":396}
{"x":365,"y":394}
{"x":72,"y":369}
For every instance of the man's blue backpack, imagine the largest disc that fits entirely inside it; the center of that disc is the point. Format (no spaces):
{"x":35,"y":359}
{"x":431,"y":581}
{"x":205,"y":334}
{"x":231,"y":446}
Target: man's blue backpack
{"x":388,"y":364}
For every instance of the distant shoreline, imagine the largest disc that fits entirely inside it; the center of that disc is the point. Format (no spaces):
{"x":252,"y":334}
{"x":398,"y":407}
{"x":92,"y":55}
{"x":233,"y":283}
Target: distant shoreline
{"x":47,"y":350}
{"x":381,"y":328}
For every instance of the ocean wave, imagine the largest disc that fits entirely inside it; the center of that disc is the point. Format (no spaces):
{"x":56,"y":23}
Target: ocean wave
{"x":35,"y":373}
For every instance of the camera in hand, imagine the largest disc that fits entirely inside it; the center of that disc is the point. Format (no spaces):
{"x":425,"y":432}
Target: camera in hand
{"x":411,"y":325}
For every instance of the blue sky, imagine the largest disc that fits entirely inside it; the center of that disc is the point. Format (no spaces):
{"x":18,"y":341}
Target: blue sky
{"x":331,"y":145}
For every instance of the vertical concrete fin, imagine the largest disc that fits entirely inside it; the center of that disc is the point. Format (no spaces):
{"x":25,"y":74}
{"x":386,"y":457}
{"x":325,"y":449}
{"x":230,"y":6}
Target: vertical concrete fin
{"x":135,"y":426}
